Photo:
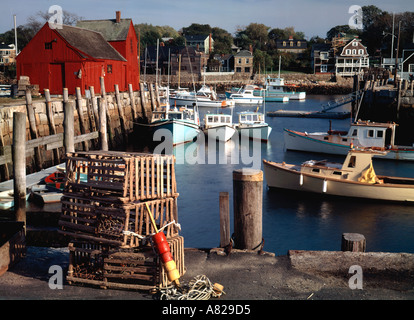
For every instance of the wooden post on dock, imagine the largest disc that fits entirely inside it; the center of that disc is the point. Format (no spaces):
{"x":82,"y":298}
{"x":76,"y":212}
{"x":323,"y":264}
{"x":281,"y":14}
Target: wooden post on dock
{"x":33,"y":129}
{"x":94,"y":106}
{"x":247,"y":202}
{"x":19,"y":166}
{"x":157,"y":96}
{"x":121,"y":114}
{"x":51,"y":119}
{"x":354,"y":242}
{"x":68,"y":123}
{"x":102,"y":125}
{"x":81,"y":116}
{"x":132,"y":102}
{"x":152,"y":96}
{"x":224,"y":219}
{"x":105,"y":102}
{"x":147,"y":111}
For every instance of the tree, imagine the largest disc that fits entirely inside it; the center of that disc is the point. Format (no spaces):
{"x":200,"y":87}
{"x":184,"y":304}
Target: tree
{"x":255,"y":35}
{"x":197,"y":29}
{"x":262,"y":61}
{"x":333,"y":32}
{"x":222,"y":41}
{"x":36,"y":21}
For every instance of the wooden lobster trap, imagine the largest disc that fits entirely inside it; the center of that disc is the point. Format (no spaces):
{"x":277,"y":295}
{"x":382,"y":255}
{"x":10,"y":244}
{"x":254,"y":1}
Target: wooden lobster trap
{"x":121,"y":176}
{"x":134,"y":268}
{"x":116,"y":224}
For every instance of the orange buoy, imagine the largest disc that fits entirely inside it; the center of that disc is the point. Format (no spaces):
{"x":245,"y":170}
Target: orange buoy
{"x":164,"y":251}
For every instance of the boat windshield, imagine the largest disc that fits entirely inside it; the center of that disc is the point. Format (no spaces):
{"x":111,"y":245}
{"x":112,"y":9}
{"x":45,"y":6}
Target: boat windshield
{"x":175,"y":115}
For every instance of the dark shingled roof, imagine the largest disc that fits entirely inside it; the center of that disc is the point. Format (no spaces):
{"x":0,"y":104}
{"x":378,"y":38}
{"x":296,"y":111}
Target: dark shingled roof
{"x":89,"y":42}
{"x":111,"y":30}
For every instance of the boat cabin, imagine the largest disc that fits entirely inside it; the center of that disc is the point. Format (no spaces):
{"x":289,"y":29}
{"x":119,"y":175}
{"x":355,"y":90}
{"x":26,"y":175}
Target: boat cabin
{"x":373,"y":134}
{"x":251,"y":117}
{"x":275,"y":84}
{"x":213,"y":120}
{"x":356,"y":163}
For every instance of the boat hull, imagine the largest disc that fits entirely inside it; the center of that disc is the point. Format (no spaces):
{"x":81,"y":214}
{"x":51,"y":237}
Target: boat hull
{"x":269,"y":95}
{"x":181,"y":102}
{"x":182,"y":131}
{"x":260,"y":132}
{"x":281,"y":176}
{"x":302,"y":142}
{"x":221,"y":133}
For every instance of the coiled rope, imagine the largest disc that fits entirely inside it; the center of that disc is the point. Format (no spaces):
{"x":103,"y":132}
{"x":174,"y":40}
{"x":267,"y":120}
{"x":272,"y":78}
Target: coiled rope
{"x":200,"y":288}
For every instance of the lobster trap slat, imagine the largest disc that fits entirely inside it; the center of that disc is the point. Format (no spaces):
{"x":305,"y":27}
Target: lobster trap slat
{"x":134,"y":268}
{"x":113,"y":223}
{"x":125,"y":176}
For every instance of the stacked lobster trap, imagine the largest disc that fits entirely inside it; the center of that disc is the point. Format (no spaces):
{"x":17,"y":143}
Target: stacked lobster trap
{"x":106,"y":206}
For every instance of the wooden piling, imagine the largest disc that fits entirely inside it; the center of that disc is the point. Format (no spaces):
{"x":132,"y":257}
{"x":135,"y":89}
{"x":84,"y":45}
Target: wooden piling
{"x":354,"y":242}
{"x":81,"y":116}
{"x":132,"y":102}
{"x":108,"y":125}
{"x":146,"y":110}
{"x":247,"y":202}
{"x":103,"y":138}
{"x":121,"y":113}
{"x":19,"y":166}
{"x":224,"y":219}
{"x":68,"y":123}
{"x":152,"y":96}
{"x":51,"y":120}
{"x":33,"y":129}
{"x":5,"y":167}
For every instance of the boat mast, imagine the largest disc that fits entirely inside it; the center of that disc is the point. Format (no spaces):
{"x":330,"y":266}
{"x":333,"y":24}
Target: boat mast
{"x":279,"y":66}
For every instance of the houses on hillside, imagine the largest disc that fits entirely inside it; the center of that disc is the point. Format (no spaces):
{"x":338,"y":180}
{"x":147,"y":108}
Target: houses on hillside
{"x":70,"y":57}
{"x":7,"y":54}
{"x":191,"y":60}
{"x":340,"y":58}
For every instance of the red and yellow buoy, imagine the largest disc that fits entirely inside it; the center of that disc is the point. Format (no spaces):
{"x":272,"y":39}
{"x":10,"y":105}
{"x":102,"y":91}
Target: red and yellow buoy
{"x":163,"y":248}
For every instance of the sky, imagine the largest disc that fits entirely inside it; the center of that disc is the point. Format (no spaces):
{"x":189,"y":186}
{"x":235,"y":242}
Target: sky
{"x":313,"y":17}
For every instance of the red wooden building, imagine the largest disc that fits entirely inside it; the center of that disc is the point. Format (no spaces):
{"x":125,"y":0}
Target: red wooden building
{"x":71,"y":57}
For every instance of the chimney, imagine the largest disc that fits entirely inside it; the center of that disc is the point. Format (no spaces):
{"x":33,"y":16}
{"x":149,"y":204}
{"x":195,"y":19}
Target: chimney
{"x":118,"y":16}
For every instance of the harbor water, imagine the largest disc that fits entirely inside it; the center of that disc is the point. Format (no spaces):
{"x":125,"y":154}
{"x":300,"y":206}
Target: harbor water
{"x":291,"y":220}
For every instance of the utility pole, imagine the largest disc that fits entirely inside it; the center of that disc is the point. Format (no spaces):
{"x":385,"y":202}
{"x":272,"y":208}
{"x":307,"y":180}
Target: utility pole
{"x":15,"y":34}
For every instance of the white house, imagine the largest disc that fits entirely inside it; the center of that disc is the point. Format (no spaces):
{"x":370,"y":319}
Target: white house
{"x":352,"y":59}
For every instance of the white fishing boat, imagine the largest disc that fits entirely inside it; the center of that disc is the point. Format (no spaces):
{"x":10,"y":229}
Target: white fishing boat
{"x":366,"y":134}
{"x":354,"y":178}
{"x":245,"y":96}
{"x":219,"y":126}
{"x":275,"y":88}
{"x":205,"y":97}
{"x":252,"y":124}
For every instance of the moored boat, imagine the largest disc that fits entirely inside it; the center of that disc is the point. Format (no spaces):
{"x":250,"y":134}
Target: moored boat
{"x":219,"y":126}
{"x":364,"y":134}
{"x":205,"y":97}
{"x":183,"y":123}
{"x":7,"y":199}
{"x":275,"y":88}
{"x":245,"y":96}
{"x":252,"y":124}
{"x":354,"y":178}
{"x":43,"y":194}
